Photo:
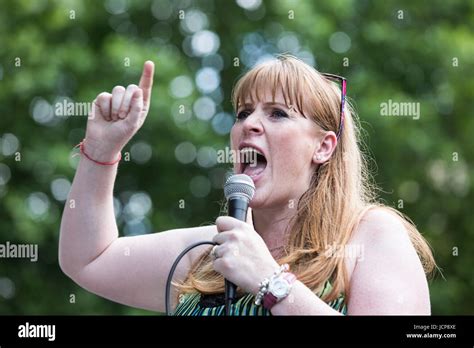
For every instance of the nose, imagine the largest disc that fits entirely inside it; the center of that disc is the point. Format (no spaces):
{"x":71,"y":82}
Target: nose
{"x":253,"y":123}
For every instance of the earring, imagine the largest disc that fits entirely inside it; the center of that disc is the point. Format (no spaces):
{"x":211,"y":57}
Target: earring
{"x":318,"y":157}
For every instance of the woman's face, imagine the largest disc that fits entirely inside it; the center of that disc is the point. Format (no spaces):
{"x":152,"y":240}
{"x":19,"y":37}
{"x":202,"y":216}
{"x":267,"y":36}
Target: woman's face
{"x":286,"y":139}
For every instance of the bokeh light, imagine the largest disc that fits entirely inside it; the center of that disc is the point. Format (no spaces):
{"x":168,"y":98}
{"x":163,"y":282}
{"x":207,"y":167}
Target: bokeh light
{"x":7,"y":288}
{"x":42,"y":112}
{"x":206,"y":156}
{"x":117,"y":207}
{"x":205,"y":42}
{"x":340,"y":42}
{"x":204,"y":108}
{"x":213,"y":61}
{"x":181,"y":113}
{"x":139,"y":205}
{"x":37,"y":205}
{"x":207,"y":79}
{"x":116,"y":6}
{"x":181,"y":87}
{"x":161,"y":10}
{"x":222,"y":123}
{"x":185,"y":152}
{"x":288,"y":42}
{"x":200,"y":186}
{"x":5,"y":174}
{"x":60,"y":188}
{"x":194,"y":21}
{"x":250,"y":5}
{"x":137,"y":226}
{"x":9,"y":144}
{"x":141,"y":152}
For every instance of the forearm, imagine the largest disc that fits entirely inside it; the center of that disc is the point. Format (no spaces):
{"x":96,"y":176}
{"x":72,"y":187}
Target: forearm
{"x":88,"y":223}
{"x":302,"y":301}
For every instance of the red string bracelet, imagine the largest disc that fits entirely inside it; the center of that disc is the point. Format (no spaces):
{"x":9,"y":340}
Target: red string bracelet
{"x":81,"y":149}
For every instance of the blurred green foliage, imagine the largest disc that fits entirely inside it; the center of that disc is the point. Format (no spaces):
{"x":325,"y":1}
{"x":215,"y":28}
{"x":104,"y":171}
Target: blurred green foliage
{"x":402,"y":51}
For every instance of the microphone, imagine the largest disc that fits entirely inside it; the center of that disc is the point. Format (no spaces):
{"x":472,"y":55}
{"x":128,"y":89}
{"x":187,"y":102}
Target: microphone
{"x":238,"y":190}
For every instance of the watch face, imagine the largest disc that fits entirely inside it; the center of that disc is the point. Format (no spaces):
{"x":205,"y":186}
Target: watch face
{"x":279,"y":288}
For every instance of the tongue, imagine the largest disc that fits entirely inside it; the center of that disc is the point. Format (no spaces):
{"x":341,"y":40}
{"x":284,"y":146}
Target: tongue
{"x":255,"y":169}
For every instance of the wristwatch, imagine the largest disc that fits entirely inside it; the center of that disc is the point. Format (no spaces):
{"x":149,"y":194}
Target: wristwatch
{"x":279,"y":287}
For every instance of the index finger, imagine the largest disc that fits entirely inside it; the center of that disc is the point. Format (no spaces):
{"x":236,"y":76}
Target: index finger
{"x":146,"y":81}
{"x":226,"y":223}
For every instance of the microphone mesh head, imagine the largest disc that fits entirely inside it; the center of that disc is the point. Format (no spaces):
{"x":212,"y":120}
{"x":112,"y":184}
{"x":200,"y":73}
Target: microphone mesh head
{"x":239,"y":185}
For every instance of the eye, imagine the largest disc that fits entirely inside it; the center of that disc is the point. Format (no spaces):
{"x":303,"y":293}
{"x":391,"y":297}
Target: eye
{"x":277,"y":113}
{"x":243,"y":114}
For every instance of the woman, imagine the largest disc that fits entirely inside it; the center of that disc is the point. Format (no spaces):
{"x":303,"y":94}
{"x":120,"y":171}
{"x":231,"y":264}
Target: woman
{"x":313,"y":211}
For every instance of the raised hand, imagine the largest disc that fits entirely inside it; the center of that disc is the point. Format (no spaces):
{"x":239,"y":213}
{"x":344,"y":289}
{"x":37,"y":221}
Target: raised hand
{"x":117,"y":116}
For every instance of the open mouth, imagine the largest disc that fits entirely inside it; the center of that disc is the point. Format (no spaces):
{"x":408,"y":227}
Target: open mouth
{"x":252,"y":162}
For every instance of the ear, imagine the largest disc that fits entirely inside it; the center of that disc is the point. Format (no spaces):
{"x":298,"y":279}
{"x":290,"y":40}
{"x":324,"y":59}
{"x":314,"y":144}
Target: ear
{"x":326,"y":147}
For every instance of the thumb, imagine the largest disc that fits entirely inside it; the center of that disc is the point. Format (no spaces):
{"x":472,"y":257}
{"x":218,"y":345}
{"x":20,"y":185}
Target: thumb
{"x":249,"y":217}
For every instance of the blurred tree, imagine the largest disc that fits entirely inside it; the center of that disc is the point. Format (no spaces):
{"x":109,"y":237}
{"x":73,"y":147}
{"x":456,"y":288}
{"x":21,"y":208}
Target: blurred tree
{"x":69,"y":51}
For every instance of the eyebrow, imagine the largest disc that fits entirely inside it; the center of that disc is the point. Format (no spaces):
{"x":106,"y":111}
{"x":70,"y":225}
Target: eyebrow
{"x":265,"y":104}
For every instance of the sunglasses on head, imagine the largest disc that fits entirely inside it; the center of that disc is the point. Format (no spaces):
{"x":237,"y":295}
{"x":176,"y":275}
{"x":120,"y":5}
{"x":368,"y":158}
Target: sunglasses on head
{"x":342,"y":81}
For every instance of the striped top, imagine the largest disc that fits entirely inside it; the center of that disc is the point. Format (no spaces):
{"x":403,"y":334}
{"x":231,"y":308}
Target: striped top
{"x":195,"y":304}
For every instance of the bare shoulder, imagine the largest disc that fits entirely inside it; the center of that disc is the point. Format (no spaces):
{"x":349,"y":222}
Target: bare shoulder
{"x":388,"y":277}
{"x":381,"y":226}
{"x":378,"y":228}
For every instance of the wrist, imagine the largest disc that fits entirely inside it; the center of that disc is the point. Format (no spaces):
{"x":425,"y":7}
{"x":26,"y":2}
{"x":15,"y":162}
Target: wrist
{"x":275,"y":288}
{"x":98,"y":152}
{"x":279,"y":289}
{"x":266,"y":273}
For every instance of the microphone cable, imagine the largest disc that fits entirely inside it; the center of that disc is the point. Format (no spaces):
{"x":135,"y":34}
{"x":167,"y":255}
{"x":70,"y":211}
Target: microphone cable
{"x":173,"y":268}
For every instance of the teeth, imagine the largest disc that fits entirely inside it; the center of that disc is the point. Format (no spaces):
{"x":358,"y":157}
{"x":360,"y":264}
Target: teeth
{"x":250,"y":149}
{"x":248,"y":156}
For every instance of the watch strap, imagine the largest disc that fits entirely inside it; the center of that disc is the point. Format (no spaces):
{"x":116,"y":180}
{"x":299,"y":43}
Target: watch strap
{"x":269,"y":299}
